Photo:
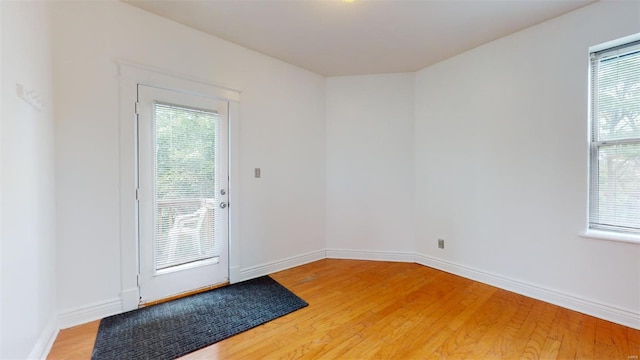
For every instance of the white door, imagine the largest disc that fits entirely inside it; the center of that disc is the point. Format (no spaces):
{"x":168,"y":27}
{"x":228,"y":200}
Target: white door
{"x":183,"y":179}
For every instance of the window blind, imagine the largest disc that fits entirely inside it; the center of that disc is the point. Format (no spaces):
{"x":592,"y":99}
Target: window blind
{"x":185,"y":184}
{"x":614,"y":196}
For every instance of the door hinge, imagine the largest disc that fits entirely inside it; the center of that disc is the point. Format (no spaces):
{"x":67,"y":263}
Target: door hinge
{"x":137,"y":194}
{"x":138,"y":280}
{"x":137,"y":105}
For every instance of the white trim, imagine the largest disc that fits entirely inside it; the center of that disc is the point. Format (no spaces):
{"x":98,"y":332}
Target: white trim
{"x":599,"y":310}
{"x":279,"y":265}
{"x":234,"y":191}
{"x":128,"y":184}
{"x":45,"y":341}
{"x":370,"y":255}
{"x":614,"y":43}
{"x":234,"y":274}
{"x":611,"y":236}
{"x":147,"y":75}
{"x":85,"y":314}
{"x":130,"y":298}
{"x":130,"y":75}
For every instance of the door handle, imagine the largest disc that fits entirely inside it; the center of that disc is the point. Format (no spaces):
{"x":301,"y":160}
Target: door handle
{"x":223,"y":205}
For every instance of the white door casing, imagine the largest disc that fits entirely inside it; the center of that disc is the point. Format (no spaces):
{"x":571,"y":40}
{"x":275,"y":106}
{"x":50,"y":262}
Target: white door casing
{"x":183,"y":236}
{"x":130,"y":75}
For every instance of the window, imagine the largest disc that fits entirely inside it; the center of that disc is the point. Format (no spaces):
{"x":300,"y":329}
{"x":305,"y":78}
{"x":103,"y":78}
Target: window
{"x":614,"y":195}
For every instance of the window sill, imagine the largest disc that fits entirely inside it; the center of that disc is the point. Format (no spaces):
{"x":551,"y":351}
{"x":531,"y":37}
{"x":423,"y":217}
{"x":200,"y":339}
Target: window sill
{"x":611,"y":236}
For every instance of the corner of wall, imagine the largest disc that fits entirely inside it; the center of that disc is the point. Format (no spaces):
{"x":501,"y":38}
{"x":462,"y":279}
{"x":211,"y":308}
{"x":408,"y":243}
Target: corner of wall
{"x":46,"y":339}
{"x":279,"y":265}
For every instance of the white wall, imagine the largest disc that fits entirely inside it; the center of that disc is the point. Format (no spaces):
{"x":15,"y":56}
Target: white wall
{"x":501,"y":160}
{"x":370,"y":164}
{"x":28,"y":231}
{"x":281,"y":131}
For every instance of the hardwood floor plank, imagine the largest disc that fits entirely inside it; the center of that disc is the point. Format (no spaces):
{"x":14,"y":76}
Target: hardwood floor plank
{"x":610,"y":342}
{"x":445,"y":317}
{"x":511,"y":330}
{"x":550,"y":349}
{"x":473,"y":323}
{"x":586,"y":345}
{"x":633,"y":336}
{"x":384,"y":310}
{"x":544,"y":320}
{"x":76,"y":342}
{"x":500,"y":308}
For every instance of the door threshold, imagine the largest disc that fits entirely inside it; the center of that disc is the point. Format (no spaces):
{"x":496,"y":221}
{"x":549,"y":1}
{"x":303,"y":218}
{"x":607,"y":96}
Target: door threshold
{"x":182,"y":295}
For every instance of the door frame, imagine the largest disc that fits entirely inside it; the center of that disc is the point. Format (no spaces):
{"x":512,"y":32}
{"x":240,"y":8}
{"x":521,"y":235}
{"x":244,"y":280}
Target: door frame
{"x":158,"y":285}
{"x":131,"y":75}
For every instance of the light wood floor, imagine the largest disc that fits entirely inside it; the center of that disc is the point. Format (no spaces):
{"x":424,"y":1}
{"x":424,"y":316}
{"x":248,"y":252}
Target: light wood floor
{"x":371,"y":310}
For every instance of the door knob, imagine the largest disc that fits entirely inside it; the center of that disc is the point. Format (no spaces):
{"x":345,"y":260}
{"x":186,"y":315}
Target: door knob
{"x":223,"y":204}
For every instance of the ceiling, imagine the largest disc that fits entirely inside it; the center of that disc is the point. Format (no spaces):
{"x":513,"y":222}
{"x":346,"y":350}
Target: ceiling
{"x":334,"y":37}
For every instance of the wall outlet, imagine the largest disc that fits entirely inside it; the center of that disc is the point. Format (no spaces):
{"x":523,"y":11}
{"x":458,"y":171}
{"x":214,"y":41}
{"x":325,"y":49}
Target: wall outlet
{"x":256,"y":173}
{"x":440,"y":243}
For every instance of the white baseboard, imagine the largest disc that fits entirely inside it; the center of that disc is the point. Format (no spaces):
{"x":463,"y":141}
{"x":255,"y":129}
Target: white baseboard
{"x":130,"y":299}
{"x":234,"y":274}
{"x":99,"y":310}
{"x":603,"y":311}
{"x":45,"y":340}
{"x":370,"y":255}
{"x":85,"y":314}
{"x":279,"y":265}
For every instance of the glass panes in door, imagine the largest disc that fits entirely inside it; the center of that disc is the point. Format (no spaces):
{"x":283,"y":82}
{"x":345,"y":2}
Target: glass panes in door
{"x":185,"y":185}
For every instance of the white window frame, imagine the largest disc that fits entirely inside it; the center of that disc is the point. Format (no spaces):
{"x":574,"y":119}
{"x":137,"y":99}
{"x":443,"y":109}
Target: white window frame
{"x":594,"y":144}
